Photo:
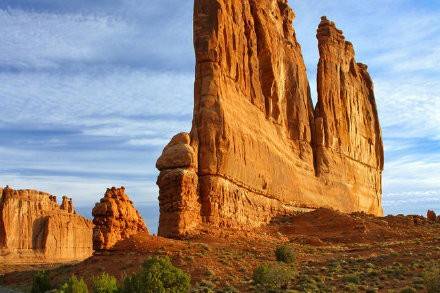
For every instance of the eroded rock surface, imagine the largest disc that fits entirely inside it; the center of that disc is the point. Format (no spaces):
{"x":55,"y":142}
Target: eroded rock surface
{"x":115,"y":219}
{"x":178,"y":187}
{"x":34,"y":228}
{"x":349,"y":151}
{"x":257,"y":147}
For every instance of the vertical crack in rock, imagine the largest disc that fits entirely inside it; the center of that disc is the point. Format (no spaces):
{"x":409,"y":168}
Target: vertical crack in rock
{"x":257,"y":147}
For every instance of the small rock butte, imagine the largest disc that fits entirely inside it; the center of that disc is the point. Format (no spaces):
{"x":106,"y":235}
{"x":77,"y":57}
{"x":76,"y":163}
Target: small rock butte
{"x":34,"y":228}
{"x":258,"y":147}
{"x":115,"y":219}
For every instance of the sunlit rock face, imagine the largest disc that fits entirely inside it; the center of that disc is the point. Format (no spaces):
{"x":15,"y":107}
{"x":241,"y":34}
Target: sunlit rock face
{"x":257,"y":147}
{"x":349,"y":149}
{"x":115,"y":219}
{"x":34,"y":228}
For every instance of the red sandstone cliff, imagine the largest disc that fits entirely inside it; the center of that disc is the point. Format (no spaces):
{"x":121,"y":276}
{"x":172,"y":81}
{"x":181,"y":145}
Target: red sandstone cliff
{"x":115,"y":219}
{"x":34,"y":228}
{"x":349,"y":150}
{"x":257,"y":147}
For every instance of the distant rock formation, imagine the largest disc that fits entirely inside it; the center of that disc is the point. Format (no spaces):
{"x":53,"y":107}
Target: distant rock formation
{"x":115,"y":219}
{"x":431,"y":216}
{"x":34,"y":228}
{"x":258,"y":147}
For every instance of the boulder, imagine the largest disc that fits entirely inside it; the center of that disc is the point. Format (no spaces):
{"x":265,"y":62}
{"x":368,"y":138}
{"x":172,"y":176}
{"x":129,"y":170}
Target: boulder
{"x":115,"y":219}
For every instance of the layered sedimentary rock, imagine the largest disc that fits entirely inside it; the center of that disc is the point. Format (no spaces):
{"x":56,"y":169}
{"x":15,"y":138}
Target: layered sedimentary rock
{"x":115,"y":219}
{"x":349,"y":150}
{"x":257,"y":147}
{"x":178,"y":185}
{"x":34,"y":228}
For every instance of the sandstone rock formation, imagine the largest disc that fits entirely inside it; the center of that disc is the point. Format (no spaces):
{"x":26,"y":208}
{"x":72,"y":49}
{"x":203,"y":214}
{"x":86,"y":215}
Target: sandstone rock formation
{"x":431,"y":216}
{"x":349,"y":152}
{"x":34,"y":228}
{"x":258,"y":148}
{"x":115,"y":219}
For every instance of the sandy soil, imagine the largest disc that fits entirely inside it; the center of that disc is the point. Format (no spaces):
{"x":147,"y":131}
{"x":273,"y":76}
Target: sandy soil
{"x":335,"y":253}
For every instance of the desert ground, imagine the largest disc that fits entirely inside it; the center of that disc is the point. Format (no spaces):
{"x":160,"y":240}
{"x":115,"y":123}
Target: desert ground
{"x":334,"y":253}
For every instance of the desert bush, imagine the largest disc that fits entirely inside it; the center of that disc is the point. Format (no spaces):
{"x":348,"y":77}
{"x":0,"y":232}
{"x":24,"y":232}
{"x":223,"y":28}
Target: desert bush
{"x":204,"y":286}
{"x":351,"y":278}
{"x":41,"y":282}
{"x":408,"y":290}
{"x":432,"y":281}
{"x":158,"y":275}
{"x":273,"y":277}
{"x":74,"y":285}
{"x":285,"y":253}
{"x":228,"y":289}
{"x":104,"y":283}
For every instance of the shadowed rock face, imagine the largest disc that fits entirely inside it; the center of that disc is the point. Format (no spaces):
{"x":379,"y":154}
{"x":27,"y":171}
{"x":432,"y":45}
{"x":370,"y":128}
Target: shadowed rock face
{"x":258,"y":148}
{"x":115,"y":219}
{"x":34,"y":228}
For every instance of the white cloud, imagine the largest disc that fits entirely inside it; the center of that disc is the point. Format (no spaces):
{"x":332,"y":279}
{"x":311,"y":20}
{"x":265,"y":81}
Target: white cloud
{"x":85,"y":192}
{"x":76,"y":70}
{"x":75,"y":99}
{"x":43,"y":40}
{"x":148,"y":142}
{"x":409,"y":107}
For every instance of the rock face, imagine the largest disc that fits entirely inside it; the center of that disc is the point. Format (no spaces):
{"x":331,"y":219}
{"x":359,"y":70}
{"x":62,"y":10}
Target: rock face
{"x":258,"y":148}
{"x":34,"y":228}
{"x":349,"y":150}
{"x":115,"y":219}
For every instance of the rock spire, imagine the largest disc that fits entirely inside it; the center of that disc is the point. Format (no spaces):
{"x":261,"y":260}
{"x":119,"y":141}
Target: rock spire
{"x":258,"y":147}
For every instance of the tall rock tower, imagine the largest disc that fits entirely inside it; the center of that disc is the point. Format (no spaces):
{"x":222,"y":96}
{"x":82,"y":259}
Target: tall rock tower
{"x":257,"y":149}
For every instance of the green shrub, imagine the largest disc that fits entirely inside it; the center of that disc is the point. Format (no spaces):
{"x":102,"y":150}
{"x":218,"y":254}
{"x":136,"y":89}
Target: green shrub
{"x":41,"y":282}
{"x":158,"y":275}
{"x":74,"y":285}
{"x":351,"y":278}
{"x":408,"y":290}
{"x":285,"y":254}
{"x":104,"y":283}
{"x":228,"y":289}
{"x":432,"y":281}
{"x":272,"y":277}
{"x":204,"y":286}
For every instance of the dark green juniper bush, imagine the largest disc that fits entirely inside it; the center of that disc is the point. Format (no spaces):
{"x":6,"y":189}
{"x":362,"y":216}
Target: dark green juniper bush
{"x":41,"y":282}
{"x":285,"y":254}
{"x":158,"y":275}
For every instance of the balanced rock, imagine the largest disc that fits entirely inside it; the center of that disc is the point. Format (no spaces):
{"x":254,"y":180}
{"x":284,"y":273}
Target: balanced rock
{"x":115,"y":219}
{"x":178,"y":184}
{"x":34,"y":228}
{"x":258,"y":148}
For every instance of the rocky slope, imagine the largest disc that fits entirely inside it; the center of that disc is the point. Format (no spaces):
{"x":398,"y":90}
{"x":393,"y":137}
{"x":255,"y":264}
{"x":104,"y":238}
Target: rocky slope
{"x":335,"y":252}
{"x":257,"y":147}
{"x":34,"y":228}
{"x":115,"y":219}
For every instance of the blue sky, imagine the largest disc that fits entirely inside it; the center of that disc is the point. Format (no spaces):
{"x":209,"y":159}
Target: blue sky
{"x":92,"y":90}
